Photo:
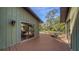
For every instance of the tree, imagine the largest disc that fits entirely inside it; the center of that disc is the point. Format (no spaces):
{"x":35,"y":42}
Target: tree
{"x":51,"y":14}
{"x":50,"y":17}
{"x":53,"y":22}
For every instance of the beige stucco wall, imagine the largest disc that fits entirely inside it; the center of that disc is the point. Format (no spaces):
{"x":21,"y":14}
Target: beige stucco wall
{"x":72,"y":16}
{"x":10,"y":35}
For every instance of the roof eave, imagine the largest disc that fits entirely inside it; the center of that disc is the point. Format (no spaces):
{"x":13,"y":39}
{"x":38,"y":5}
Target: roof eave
{"x":33,"y":14}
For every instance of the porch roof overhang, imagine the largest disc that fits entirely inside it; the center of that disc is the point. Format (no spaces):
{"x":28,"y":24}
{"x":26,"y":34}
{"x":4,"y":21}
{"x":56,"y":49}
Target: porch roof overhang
{"x":28,"y":9}
{"x":63,"y":13}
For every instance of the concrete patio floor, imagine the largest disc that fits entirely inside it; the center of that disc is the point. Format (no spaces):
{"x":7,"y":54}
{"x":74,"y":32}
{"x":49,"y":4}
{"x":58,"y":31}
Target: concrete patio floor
{"x":44,"y":43}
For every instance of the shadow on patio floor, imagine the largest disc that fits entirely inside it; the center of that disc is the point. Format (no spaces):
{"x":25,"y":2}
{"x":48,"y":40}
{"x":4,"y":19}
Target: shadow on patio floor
{"x":44,"y":43}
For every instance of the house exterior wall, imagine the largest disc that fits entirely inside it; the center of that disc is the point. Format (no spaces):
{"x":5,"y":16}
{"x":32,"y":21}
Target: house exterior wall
{"x":10,"y":35}
{"x":77,"y":31}
{"x":74,"y":22}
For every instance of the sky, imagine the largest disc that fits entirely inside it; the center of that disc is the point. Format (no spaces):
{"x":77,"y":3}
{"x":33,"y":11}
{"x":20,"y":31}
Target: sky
{"x":41,"y":12}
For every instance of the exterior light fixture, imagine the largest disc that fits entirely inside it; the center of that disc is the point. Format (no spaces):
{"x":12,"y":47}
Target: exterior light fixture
{"x":12,"y":22}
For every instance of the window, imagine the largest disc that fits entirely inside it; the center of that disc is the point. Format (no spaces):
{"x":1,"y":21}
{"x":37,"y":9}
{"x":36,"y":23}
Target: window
{"x":27,"y":31}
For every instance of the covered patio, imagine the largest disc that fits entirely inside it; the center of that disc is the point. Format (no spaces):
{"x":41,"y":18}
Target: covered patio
{"x":44,"y":43}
